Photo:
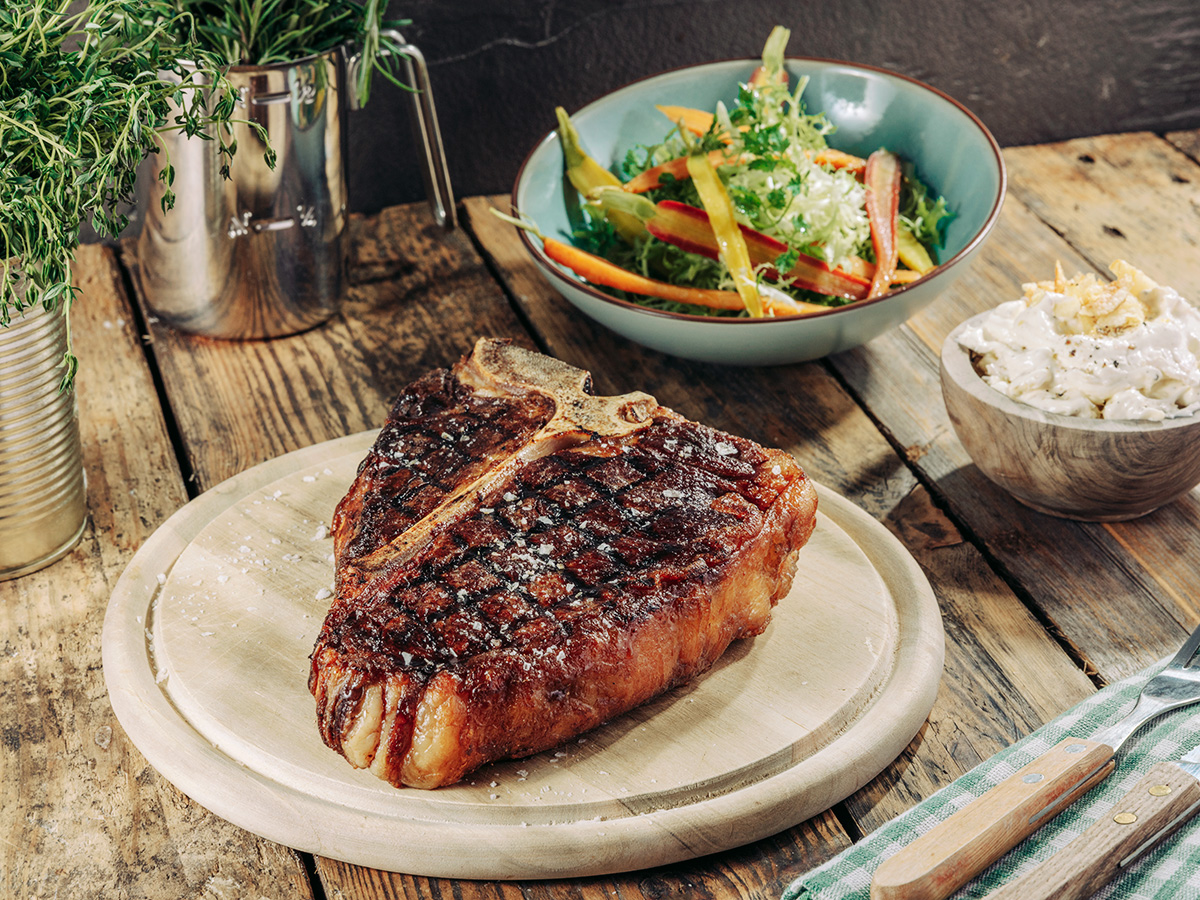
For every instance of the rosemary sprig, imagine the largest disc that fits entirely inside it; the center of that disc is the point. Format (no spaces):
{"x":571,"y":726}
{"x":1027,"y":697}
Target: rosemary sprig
{"x":83,"y":97}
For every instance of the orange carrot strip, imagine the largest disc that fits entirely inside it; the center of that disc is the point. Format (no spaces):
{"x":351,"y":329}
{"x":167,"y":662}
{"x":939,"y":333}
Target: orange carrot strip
{"x":696,"y":121}
{"x":882,"y":177}
{"x":838,"y":160}
{"x":676,"y":168}
{"x":600,"y":271}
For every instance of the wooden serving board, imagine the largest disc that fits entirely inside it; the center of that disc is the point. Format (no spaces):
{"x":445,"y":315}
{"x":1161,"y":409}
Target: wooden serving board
{"x":206,"y":655}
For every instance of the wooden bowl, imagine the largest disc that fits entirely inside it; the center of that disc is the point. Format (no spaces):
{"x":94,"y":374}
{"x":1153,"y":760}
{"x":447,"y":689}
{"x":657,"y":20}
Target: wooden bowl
{"x":1093,"y":470}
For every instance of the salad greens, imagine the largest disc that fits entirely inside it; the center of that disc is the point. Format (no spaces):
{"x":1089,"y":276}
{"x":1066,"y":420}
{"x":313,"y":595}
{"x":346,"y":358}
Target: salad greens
{"x":783,"y":181}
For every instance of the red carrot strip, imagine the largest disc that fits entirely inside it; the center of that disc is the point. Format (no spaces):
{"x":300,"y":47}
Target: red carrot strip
{"x":688,"y":228}
{"x":882,"y":177}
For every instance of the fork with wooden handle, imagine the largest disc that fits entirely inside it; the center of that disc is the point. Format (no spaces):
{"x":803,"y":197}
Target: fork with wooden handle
{"x":1158,"y":805}
{"x":953,"y":852}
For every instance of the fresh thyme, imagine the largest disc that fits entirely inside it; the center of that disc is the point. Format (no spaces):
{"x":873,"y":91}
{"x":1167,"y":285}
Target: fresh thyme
{"x":263,"y":32}
{"x":83,"y":96}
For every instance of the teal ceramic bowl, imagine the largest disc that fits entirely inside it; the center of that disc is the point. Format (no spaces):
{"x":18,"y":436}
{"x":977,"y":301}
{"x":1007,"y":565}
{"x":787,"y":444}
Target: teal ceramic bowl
{"x":953,"y":151}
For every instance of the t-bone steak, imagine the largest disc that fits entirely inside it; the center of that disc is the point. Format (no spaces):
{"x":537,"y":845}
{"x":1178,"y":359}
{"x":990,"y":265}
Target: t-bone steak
{"x":519,"y":560}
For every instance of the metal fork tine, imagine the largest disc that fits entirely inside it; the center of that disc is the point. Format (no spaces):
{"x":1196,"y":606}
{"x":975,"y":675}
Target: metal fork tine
{"x":1188,"y":650}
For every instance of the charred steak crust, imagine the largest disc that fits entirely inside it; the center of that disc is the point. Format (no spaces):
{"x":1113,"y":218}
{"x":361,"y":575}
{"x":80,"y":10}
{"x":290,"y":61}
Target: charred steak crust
{"x":519,"y":561}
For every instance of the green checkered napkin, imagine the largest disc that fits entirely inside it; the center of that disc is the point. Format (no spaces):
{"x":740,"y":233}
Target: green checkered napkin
{"x":1172,"y":870}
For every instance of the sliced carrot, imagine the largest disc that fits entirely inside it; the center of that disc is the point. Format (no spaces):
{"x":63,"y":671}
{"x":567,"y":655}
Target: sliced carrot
{"x":598,"y":270}
{"x":676,"y":168}
{"x":730,"y":240}
{"x":690,"y":229}
{"x":882,"y":177}
{"x":912,"y":252}
{"x":836,"y":159}
{"x":696,"y":121}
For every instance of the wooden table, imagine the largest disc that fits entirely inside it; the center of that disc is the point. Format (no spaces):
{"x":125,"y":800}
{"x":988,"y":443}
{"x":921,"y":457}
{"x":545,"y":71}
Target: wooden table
{"x":1038,"y":612}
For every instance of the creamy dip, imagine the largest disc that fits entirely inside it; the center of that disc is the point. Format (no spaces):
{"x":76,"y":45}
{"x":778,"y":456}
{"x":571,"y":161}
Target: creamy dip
{"x":1129,"y":349}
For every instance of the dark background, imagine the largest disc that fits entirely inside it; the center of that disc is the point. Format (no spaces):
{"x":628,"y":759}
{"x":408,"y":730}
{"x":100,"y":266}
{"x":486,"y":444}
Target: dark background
{"x":1032,"y":70}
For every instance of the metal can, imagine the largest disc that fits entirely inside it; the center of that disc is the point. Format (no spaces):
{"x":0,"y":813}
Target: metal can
{"x":43,"y":496}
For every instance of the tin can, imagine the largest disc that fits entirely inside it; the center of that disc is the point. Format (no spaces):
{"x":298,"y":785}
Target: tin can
{"x":43,"y":497}
{"x":261,"y":254}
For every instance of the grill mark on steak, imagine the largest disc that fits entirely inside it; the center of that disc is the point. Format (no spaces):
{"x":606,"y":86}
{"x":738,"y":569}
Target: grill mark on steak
{"x":543,"y":570}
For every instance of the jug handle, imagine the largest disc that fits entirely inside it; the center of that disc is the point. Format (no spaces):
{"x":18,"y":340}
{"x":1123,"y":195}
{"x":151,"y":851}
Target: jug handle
{"x":433,"y":154}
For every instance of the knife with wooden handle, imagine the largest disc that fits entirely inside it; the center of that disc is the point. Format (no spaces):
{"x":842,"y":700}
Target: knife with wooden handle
{"x":949,"y":855}
{"x":953,"y":852}
{"x":1166,"y":798}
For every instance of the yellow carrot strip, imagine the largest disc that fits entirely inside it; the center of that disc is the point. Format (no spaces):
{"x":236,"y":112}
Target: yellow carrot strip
{"x":730,"y":240}
{"x":912,"y":252}
{"x":585,"y":174}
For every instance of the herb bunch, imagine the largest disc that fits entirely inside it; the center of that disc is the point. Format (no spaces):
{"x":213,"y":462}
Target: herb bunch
{"x":82,"y":98}
{"x":264,"y":32}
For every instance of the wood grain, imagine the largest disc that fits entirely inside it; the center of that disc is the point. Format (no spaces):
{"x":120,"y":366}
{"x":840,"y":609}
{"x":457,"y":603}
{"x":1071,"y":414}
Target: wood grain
{"x":418,"y":298}
{"x":1133,"y":604}
{"x":226,"y":596}
{"x":1164,"y":800}
{"x":1031,"y":606}
{"x":1003,"y":662}
{"x":84,"y":814}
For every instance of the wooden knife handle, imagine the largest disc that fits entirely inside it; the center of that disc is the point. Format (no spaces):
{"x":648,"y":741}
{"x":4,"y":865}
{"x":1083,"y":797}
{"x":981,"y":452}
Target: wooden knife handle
{"x":949,"y":855}
{"x":1162,"y":801}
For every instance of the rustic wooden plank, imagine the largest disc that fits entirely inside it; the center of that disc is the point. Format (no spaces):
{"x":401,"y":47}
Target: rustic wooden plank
{"x":1086,"y":580}
{"x":1007,"y":675}
{"x":1187,"y":141}
{"x":1123,"y":196}
{"x":84,"y":814}
{"x":1120,"y":594}
{"x":418,"y":297}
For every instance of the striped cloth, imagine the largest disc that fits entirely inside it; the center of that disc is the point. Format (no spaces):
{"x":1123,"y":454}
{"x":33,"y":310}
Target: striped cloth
{"x":1171,"y":871}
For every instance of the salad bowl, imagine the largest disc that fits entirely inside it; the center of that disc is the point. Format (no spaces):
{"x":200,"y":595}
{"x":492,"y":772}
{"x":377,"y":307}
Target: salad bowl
{"x":953,"y":153}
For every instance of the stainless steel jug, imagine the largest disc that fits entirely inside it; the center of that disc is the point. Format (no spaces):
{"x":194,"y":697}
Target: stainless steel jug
{"x":262,"y":254}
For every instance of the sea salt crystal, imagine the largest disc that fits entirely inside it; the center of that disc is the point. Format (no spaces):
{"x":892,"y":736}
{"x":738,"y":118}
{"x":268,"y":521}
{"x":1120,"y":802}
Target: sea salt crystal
{"x":775,"y":470}
{"x":324,"y":594}
{"x":244,"y":549}
{"x":162,"y":578}
{"x":672,"y":494}
{"x":724,"y":448}
{"x":510,"y":496}
{"x":322,"y":532}
{"x":309,"y":478}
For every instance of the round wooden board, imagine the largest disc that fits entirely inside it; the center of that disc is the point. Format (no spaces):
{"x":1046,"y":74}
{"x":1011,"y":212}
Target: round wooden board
{"x":206,"y":654}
